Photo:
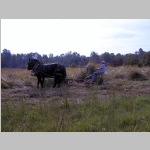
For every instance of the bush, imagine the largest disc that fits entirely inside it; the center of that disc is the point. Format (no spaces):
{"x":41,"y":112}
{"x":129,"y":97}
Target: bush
{"x":91,"y":68}
{"x":82,"y":75}
{"x":135,"y":75}
{"x":148,"y":73}
{"x":73,"y":65}
{"x":119,"y":76}
{"x":5,"y":85}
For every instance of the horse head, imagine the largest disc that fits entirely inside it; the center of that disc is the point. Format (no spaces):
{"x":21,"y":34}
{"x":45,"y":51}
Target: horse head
{"x":32,"y":63}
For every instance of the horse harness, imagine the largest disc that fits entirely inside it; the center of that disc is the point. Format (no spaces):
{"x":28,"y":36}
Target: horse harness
{"x":35,"y":71}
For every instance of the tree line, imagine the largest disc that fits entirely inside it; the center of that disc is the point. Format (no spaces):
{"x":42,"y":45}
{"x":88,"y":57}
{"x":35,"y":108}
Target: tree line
{"x":73,"y":59}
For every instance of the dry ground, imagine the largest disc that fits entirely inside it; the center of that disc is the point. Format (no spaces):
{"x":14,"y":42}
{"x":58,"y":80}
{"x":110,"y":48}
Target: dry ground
{"x":74,"y":92}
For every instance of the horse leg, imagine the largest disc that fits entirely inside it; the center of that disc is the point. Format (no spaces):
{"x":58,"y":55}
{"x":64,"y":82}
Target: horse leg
{"x":59,"y":85}
{"x":42,"y":82}
{"x":59,"y":81}
{"x":54,"y":85}
{"x":55,"y":81}
{"x":38,"y":82}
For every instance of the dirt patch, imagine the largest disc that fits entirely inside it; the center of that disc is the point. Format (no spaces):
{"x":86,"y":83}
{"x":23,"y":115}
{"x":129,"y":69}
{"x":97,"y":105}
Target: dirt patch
{"x":76,"y":93}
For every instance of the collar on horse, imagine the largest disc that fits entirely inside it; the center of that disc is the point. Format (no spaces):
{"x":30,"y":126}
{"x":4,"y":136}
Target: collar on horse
{"x":34,"y":69}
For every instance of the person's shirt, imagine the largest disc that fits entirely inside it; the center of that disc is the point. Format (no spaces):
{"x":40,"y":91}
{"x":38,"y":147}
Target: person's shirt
{"x":103,"y":68}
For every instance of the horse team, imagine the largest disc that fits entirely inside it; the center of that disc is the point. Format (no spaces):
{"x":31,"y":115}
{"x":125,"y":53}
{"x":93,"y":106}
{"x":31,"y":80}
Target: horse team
{"x":42,"y":71}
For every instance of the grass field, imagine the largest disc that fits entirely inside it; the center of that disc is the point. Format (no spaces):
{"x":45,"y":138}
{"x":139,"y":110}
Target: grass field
{"x":120,"y":104}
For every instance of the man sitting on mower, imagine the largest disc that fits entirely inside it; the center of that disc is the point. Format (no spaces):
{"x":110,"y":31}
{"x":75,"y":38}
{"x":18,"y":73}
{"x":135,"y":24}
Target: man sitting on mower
{"x":101,"y":71}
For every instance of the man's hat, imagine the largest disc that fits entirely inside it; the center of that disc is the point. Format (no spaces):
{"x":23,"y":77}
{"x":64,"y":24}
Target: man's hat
{"x":103,"y":62}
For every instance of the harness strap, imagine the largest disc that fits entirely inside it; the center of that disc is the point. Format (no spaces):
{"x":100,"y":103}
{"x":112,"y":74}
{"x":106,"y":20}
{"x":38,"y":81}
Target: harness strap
{"x":57,"y":71}
{"x":35,"y":67}
{"x":58,"y":74}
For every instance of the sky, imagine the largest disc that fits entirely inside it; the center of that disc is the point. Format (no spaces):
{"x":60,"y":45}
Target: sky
{"x":60,"y":36}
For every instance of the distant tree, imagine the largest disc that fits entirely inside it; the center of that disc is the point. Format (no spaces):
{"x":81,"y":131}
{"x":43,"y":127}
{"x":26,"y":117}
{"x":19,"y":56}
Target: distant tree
{"x":75,"y":58}
{"x":45,"y":58}
{"x":140,"y":58}
{"x":5,"y":58}
{"x":13,"y":62}
{"x":119,"y":59}
{"x":146,"y":59}
{"x":131,"y":60}
{"x":20,"y":60}
{"x":112,"y":55}
{"x":67,"y":58}
{"x":51,"y":58}
{"x":84,"y":60}
{"x":32,"y":55}
{"x":141,"y":52}
{"x":106,"y":57}
{"x":62,"y":59}
{"x":114,"y":63}
{"x":94,"y":57}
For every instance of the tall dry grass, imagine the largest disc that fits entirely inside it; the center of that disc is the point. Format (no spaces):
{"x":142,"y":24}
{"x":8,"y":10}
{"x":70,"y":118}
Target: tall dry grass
{"x":87,"y":113}
{"x":21,"y":77}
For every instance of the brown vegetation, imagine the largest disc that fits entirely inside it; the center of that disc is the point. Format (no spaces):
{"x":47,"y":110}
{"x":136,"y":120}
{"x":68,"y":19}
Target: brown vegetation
{"x":16,"y":83}
{"x":119,"y":104}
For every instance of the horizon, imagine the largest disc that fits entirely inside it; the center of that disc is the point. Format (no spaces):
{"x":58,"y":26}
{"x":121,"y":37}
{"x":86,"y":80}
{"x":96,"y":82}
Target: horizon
{"x":71,"y":52}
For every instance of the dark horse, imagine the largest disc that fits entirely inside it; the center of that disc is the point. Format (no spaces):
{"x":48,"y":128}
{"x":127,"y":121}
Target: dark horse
{"x":42,"y":71}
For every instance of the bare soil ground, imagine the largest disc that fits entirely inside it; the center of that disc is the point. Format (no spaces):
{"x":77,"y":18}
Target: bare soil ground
{"x":75,"y":92}
{"x":20,"y":85}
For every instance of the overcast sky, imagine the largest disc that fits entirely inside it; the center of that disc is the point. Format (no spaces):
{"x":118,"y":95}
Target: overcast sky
{"x":59,"y":36}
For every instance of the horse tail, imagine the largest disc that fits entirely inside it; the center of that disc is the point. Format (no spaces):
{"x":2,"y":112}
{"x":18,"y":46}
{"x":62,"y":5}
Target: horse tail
{"x":64,"y":73}
{"x":62,"y":70}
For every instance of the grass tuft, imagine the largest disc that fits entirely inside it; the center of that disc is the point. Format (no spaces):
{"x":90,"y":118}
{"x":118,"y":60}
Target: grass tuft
{"x":136,"y":75}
